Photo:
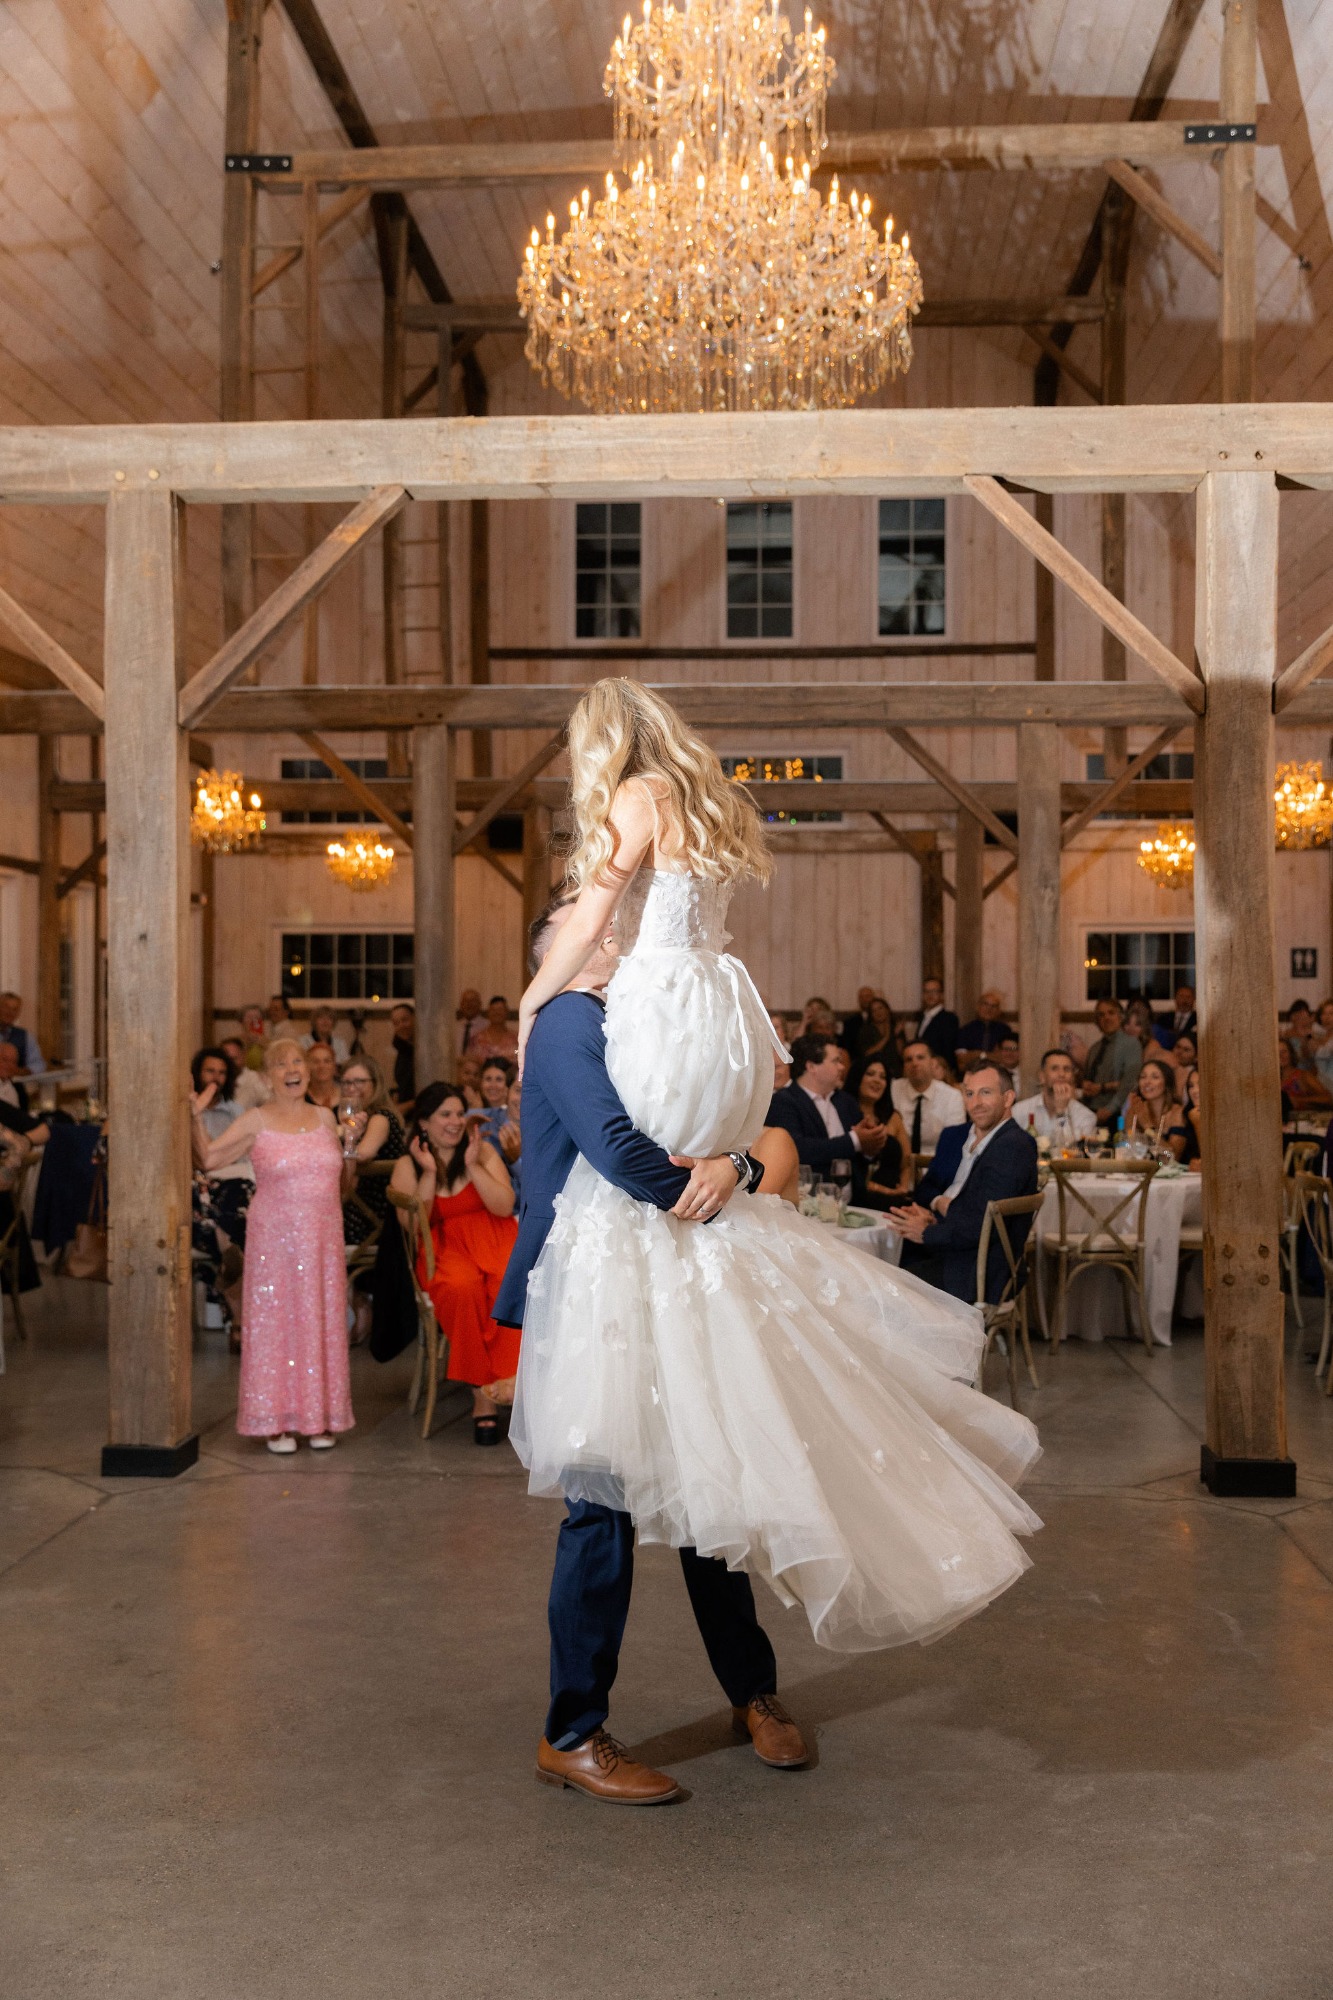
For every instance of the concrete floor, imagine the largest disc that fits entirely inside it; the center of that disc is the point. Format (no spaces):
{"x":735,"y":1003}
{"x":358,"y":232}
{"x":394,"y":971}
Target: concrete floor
{"x":268,"y":1730}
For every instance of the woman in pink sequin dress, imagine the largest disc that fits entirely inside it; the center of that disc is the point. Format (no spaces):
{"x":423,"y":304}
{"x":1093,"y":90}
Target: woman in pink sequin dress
{"x":294,"y":1377}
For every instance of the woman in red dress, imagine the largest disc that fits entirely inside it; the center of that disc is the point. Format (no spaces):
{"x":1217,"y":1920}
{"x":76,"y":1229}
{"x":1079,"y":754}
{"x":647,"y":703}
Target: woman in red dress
{"x":467,"y":1203}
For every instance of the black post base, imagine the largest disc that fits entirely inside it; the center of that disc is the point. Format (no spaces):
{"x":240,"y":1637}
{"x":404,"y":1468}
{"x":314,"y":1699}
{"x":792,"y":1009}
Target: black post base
{"x":149,"y":1461}
{"x":1248,"y":1478}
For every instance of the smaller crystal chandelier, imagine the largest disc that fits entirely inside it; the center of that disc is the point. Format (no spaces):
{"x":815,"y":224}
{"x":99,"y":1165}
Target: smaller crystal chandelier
{"x":1168,"y":858}
{"x":1304,"y":806}
{"x":360,"y":864}
{"x":220,"y":821}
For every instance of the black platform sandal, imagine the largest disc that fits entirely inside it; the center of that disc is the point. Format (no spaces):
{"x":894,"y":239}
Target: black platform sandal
{"x":485,"y":1430}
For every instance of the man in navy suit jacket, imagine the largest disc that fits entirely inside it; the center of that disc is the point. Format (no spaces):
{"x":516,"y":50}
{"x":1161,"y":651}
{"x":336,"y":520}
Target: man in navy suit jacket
{"x":986,"y":1160}
{"x":570,"y":1106}
{"x":803,"y":1108}
{"x":937,"y":1025}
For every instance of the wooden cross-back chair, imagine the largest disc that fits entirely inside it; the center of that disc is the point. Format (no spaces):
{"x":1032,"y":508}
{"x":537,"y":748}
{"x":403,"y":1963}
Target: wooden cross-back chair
{"x":1091,"y":1240}
{"x":1297,"y":1159}
{"x":360,"y":1256}
{"x":1007,"y":1317}
{"x":432,"y":1340}
{"x":1314,"y":1194}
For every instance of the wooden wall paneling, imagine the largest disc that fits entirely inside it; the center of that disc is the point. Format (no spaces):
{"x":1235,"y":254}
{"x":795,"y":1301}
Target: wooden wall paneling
{"x":1246,"y":1447}
{"x":148,"y":877}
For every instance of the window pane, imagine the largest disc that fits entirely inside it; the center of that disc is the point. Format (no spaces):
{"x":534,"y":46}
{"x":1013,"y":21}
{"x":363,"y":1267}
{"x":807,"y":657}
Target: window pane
{"x":321,"y":948}
{"x":895,"y":517}
{"x":912,"y":563}
{"x":607,"y":570}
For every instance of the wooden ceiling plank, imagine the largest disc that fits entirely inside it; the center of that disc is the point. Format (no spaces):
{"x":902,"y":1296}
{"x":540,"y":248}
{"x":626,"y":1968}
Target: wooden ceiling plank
{"x":1092,"y":592}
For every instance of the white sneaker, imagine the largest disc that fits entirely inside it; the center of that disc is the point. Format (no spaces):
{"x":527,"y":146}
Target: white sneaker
{"x":322,"y":1443}
{"x":282,"y":1444}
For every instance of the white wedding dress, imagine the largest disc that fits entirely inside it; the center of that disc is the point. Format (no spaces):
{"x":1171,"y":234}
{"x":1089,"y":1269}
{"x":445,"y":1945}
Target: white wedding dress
{"x":755,"y":1387}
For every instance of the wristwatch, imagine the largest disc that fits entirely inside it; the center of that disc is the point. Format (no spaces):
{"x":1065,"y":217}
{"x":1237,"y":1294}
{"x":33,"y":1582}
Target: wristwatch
{"x":741,"y":1162}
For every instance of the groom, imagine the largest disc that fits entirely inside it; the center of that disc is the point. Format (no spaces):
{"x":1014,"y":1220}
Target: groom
{"x":570,"y":1106}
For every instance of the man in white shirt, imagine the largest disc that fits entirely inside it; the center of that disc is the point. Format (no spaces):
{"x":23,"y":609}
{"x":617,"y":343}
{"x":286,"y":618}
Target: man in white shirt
{"x":924,"y":1103}
{"x":1055,"y":1112}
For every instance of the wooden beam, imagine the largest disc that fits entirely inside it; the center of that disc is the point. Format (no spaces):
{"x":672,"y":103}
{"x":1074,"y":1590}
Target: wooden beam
{"x":1064,"y":362}
{"x":498,"y":867}
{"x":358,"y":789}
{"x":596,"y":658}
{"x":48,"y":912}
{"x":1235,"y":626}
{"x":148,"y":897}
{"x":52,"y":655}
{"x":20,"y":864}
{"x":86,"y":870}
{"x":932,"y":910}
{"x":1306,"y":667}
{"x":1064,"y":147}
{"x":967,"y":799}
{"x":337,"y":211}
{"x":1237,"y":105}
{"x":1099,"y":600}
{"x":907,"y":843}
{"x":969,"y":877}
{"x":1155,"y":204}
{"x":279,"y":612}
{"x":536,"y":875}
{"x":1073,"y":826}
{"x":1001,"y":876}
{"x":1038,"y":891}
{"x":1043,"y":597}
{"x":236,"y":402}
{"x":434,"y":810}
{"x":1038,"y":311}
{"x":508,"y":790}
{"x":772,"y":454}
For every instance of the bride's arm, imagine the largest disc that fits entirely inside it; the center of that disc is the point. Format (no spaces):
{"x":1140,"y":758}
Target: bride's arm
{"x":632,"y":830}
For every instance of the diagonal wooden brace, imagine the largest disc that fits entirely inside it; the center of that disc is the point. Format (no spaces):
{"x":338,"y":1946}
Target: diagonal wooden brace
{"x":358,"y":788}
{"x":909,"y":846}
{"x":1306,"y":667}
{"x":1159,"y":208}
{"x":1067,"y":569}
{"x":51,"y":654}
{"x":508,"y":791}
{"x":942,"y":776}
{"x":278,"y":613}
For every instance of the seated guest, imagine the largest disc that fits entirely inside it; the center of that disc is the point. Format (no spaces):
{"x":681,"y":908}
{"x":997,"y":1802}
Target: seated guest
{"x":1055,"y":1112}
{"x":323,"y":1032}
{"x":877,"y":1036}
{"x":469,"y":1077}
{"x":220,"y":1199}
{"x":781,"y":1070}
{"x":31,"y":1060}
{"x":1151,"y":1110}
{"x":936,"y":1026}
{"x":1112,"y":1067}
{"x":824,"y":1120}
{"x":470,"y":1016}
{"x":1184,"y":1051}
{"x":279,"y":1016}
{"x":984,"y":1035}
{"x":1303,"y":1089}
{"x":466,"y":1202}
{"x":924,"y":1102}
{"x":1184,"y":1021}
{"x":775,"y":1149}
{"x":16,"y":1114}
{"x":1189,"y":1102}
{"x":1138,"y":1023}
{"x":379,"y":1135}
{"x":885,"y":1179}
{"x":495,"y":1037}
{"x":253,"y":1029}
{"x":496,"y":1077}
{"x":23,"y":1130}
{"x":815,"y":1009}
{"x":323,"y":1087}
{"x":989,"y":1159}
{"x":1008,"y":1056}
{"x":404,"y":1020}
{"x":510,"y":1140}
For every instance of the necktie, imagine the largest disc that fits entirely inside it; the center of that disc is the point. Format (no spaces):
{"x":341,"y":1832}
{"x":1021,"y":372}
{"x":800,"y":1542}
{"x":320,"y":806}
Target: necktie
{"x":916,"y":1123}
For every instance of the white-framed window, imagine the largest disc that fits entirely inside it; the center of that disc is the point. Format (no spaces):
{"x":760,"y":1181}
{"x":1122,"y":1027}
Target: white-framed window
{"x":757,"y":768}
{"x":912,"y":575}
{"x":336,"y":965}
{"x":608,"y":569}
{"x":1137,"y":964}
{"x":368,"y":768}
{"x":760,"y":598}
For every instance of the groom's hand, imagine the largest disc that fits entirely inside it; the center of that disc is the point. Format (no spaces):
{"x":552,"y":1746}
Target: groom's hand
{"x":710,"y":1187}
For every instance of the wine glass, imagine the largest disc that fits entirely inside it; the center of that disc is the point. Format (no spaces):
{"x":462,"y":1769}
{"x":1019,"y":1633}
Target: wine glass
{"x":349,"y":1119}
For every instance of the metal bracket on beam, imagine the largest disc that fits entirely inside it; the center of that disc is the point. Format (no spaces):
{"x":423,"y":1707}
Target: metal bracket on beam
{"x":1220,"y":135}
{"x":257,"y":163}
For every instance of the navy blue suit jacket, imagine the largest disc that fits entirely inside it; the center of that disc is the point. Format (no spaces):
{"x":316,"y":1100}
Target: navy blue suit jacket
{"x":947,"y":1254}
{"x":570,"y":1106}
{"x":796,"y":1112}
{"x":940,"y":1035}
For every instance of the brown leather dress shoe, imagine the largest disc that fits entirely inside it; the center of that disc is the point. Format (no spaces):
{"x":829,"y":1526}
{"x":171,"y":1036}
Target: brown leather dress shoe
{"x":777,"y":1740}
{"x":604,"y":1769}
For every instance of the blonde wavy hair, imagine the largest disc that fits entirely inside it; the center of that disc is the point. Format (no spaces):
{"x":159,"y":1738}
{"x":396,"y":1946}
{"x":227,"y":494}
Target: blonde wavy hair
{"x":622,"y":730}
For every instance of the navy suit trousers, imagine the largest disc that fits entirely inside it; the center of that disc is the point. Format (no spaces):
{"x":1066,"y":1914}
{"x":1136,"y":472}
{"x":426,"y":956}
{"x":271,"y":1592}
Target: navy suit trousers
{"x":590,"y":1592}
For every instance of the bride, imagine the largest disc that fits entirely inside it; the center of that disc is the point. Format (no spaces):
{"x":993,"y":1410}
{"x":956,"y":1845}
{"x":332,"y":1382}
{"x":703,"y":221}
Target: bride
{"x":752,"y":1388}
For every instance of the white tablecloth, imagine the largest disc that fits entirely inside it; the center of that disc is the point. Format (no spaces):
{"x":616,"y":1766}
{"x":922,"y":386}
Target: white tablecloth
{"x":876,"y":1241}
{"x":1098,"y":1300}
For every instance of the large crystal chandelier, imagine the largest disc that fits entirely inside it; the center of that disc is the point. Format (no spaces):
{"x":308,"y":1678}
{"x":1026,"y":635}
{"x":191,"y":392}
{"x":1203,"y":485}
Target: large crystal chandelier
{"x":359,"y":863}
{"x":717,"y":277}
{"x":221,"y":821}
{"x":1303,"y":806}
{"x":1168,"y":858}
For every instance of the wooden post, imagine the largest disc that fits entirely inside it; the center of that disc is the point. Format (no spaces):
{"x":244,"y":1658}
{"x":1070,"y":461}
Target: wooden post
{"x":479,"y":570}
{"x":1238,"y":100}
{"x":391,"y":397}
{"x":434,"y":812}
{"x":536,"y":874}
{"x":1038,"y":891}
{"x":969,"y":878}
{"x":245,"y":28}
{"x":1043,"y":598}
{"x":208,"y":945}
{"x":1117,"y":228}
{"x":310,"y":295}
{"x":49,"y":1037}
{"x":1235,"y":633}
{"x":932,"y":908}
{"x":148,"y":895}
